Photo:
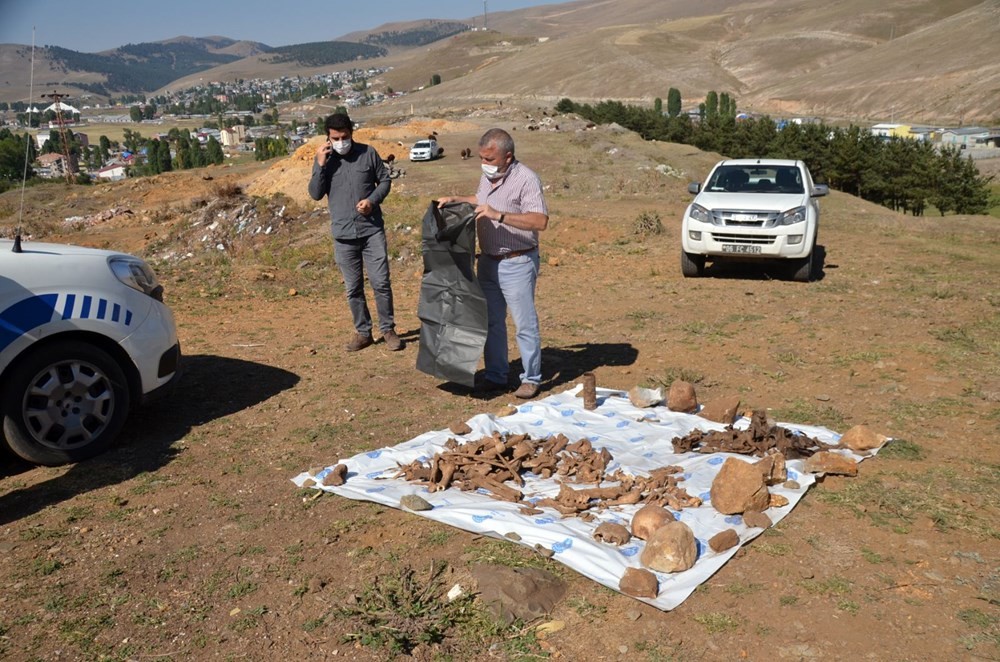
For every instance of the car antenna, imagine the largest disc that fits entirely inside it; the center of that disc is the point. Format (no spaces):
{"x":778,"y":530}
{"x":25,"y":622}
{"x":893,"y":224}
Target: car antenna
{"x":27,"y":149}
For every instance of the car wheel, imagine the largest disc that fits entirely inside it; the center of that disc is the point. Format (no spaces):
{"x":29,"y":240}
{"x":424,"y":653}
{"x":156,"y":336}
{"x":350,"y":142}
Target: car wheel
{"x":803,"y":269}
{"x":64,"y":403}
{"x":692,"y":266}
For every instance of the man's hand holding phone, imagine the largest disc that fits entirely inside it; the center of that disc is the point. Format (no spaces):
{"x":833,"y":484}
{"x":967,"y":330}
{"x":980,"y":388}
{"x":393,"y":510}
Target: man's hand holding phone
{"x":324,"y":152}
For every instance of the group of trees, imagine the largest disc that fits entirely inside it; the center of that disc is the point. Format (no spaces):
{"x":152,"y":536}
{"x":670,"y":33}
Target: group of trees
{"x":176,"y":151}
{"x":187,"y":152}
{"x":902,"y":174}
{"x":136,"y":67}
{"x":419,"y":36}
{"x":324,"y":53}
{"x":268,"y":148}
{"x":17,"y":153}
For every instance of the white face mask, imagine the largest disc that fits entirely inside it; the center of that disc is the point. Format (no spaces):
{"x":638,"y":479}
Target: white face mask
{"x":341,"y":146}
{"x":491,"y":171}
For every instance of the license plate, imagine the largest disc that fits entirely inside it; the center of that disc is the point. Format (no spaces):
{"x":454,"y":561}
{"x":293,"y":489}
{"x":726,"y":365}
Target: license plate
{"x":744,"y":217}
{"x":740,"y":248}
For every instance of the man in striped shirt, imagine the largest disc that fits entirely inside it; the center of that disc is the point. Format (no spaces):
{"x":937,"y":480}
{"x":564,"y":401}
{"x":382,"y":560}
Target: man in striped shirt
{"x":510,"y":212}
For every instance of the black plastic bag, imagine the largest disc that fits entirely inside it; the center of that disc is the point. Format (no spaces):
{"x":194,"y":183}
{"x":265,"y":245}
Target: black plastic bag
{"x":452,"y":308}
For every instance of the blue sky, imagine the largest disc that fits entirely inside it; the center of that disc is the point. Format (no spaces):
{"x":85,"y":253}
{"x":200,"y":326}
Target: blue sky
{"x":97,"y":25}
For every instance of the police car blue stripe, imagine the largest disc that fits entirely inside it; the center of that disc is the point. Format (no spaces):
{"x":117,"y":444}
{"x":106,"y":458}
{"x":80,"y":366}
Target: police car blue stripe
{"x":67,"y":312}
{"x":31,"y":313}
{"x":24,"y":316}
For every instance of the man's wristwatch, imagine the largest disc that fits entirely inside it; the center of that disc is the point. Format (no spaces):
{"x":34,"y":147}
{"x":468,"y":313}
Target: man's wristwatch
{"x":500,"y":220}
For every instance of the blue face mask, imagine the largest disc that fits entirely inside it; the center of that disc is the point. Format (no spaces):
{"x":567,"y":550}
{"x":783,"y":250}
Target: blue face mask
{"x":491,"y":171}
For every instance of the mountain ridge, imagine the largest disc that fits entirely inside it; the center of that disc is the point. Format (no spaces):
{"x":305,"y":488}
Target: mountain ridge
{"x":931,"y":61}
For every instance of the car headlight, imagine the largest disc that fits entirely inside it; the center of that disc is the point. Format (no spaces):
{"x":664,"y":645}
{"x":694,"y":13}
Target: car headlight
{"x":136,"y":274}
{"x":792,"y":216}
{"x":699,"y":213}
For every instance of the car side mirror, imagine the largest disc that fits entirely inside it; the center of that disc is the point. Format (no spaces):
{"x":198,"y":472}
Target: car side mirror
{"x":694,"y":187}
{"x":819,"y":190}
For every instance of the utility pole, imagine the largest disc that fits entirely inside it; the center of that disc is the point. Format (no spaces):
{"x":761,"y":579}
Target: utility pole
{"x":57,"y":101}
{"x":484,"y":15}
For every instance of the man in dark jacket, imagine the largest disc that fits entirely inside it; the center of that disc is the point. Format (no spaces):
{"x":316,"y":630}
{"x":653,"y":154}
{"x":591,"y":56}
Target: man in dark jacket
{"x":355,"y":182}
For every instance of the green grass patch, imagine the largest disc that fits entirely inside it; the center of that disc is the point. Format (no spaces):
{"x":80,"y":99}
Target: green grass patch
{"x":743,"y":588}
{"x":585,"y":608}
{"x":498,"y":552}
{"x":847,"y":360}
{"x":45,"y":567}
{"x":902,"y":449}
{"x":942,"y":495}
{"x":832,"y":586}
{"x":249,"y":620}
{"x":717,"y":621}
{"x":806,"y":412}
{"x":673,"y":374}
{"x":986,"y":626}
{"x":439,"y":537}
{"x":849,"y":606}
{"x":772,"y":548}
{"x":872,"y":556}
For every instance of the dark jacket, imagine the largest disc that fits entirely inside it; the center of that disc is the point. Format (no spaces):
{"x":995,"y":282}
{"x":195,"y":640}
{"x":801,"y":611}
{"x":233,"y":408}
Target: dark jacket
{"x":346,"y":180}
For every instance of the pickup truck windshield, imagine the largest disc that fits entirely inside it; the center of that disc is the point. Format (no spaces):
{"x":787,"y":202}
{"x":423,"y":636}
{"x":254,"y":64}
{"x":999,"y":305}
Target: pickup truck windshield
{"x":756,"y":179}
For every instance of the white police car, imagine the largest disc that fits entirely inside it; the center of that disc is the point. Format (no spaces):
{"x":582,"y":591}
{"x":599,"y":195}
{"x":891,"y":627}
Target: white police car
{"x":84,"y":337}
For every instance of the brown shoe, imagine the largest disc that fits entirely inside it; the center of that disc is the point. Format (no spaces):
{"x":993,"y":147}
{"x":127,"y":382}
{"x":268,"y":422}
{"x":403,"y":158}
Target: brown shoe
{"x":393,"y":343}
{"x":526,"y":391}
{"x":359,"y":341}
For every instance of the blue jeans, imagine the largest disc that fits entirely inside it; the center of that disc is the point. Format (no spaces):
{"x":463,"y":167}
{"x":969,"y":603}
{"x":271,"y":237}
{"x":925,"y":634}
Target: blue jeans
{"x":510,"y":284}
{"x":371,"y":253}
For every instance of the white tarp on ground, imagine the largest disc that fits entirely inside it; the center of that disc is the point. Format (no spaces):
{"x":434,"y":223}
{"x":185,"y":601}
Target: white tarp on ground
{"x":639,"y":440}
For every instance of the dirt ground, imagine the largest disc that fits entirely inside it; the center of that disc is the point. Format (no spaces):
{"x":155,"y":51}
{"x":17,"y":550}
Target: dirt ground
{"x":189,"y":541}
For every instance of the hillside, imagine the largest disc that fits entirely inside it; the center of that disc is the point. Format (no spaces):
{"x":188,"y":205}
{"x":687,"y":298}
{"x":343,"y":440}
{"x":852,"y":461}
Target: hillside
{"x":795,"y":57}
{"x":845,"y":60}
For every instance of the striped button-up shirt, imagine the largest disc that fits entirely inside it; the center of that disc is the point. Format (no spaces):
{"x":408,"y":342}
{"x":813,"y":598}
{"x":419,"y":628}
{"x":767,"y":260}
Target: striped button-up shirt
{"x":517,"y":192}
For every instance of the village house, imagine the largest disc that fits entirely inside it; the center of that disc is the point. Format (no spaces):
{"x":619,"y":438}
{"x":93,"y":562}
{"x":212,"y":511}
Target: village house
{"x":965,"y":138}
{"x":233,"y":136}
{"x":54,"y":165}
{"x":112,"y":172}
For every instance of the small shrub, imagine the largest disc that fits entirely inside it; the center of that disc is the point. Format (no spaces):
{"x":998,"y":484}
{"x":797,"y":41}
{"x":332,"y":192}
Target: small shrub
{"x":647,"y":224}
{"x":228,"y":191}
{"x":398,"y":612}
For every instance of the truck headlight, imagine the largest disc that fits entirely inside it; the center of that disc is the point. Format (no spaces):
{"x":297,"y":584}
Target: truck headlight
{"x":792,"y":216}
{"x":136,"y":274}
{"x":699,"y":213}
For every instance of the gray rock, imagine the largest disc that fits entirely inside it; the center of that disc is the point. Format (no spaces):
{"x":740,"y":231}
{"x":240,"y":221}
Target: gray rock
{"x":518,"y":593}
{"x":415,"y":503}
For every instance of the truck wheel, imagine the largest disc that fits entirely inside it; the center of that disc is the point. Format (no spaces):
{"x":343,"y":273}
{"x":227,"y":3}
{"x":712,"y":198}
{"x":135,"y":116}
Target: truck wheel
{"x":803,"y":269}
{"x":64,"y":403}
{"x":692,"y":266}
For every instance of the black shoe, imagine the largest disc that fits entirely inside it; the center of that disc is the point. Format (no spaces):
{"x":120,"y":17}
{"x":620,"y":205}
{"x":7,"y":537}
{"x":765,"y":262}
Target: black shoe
{"x":490,"y":386}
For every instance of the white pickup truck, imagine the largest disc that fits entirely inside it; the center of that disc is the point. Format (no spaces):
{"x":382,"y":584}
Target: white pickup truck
{"x":753,"y":209}
{"x":84,"y":337}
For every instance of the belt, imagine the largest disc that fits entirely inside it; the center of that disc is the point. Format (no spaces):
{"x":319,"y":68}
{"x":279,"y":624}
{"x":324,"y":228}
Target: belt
{"x":507,"y":256}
